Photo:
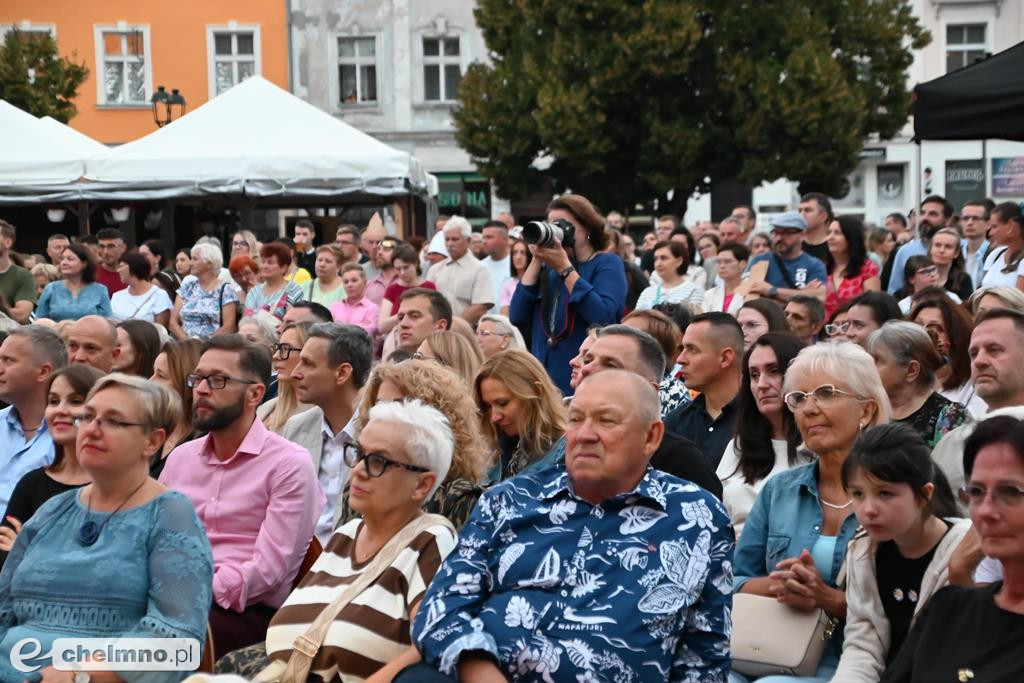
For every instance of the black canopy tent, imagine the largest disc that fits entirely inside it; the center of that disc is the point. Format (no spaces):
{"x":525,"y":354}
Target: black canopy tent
{"x":981,"y":101}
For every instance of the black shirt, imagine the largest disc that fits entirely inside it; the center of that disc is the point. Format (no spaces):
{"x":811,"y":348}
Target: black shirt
{"x":681,"y":458}
{"x":961,"y":635}
{"x":818,"y":251}
{"x":29,"y":494}
{"x":307,"y":261}
{"x":711,"y":436}
{"x":899,"y":585}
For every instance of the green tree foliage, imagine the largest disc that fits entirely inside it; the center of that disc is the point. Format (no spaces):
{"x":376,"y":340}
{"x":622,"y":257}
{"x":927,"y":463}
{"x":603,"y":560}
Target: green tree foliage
{"x":632,"y":99}
{"x":33,"y":77}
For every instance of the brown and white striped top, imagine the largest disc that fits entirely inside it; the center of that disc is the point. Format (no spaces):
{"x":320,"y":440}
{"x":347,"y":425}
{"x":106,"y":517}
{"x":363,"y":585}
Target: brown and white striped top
{"x":374,"y":628}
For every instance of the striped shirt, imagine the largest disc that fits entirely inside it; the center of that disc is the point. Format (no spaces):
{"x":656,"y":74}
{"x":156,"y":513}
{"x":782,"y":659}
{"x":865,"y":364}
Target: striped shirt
{"x":374,"y":628}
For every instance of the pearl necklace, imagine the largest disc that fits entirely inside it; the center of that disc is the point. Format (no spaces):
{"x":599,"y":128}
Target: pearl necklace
{"x":833,"y":505}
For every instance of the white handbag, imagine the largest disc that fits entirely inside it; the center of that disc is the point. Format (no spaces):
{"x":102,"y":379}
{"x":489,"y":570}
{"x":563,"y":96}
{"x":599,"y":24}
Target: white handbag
{"x":772,"y":638}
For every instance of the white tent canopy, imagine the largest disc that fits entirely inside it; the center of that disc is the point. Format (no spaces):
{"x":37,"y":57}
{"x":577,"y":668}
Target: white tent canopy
{"x":39,"y":152}
{"x":259,"y":140}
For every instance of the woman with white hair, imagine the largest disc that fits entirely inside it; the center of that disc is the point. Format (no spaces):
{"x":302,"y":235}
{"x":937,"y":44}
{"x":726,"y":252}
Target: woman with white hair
{"x":376,"y":567}
{"x":205,"y":306}
{"x":496,"y":333}
{"x":795,"y":538}
{"x":907,"y":362}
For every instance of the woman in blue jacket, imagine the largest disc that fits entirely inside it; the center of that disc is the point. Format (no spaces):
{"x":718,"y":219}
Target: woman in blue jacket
{"x":567,"y":289}
{"x":794,"y":542}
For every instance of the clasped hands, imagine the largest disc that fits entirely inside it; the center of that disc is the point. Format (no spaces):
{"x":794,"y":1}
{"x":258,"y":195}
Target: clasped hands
{"x":797,"y":582}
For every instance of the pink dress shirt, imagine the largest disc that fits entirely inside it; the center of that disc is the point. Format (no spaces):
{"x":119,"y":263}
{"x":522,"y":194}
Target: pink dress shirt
{"x":259,"y":508}
{"x":376,"y":287}
{"x":364,"y":313}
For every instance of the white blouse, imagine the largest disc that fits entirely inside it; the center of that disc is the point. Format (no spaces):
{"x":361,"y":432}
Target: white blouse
{"x":737,"y":495}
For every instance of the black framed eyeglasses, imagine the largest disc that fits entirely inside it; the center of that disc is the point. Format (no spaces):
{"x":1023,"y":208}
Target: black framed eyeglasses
{"x":215,"y":381}
{"x":376,"y":464}
{"x":285,"y":350}
{"x":105,"y":423}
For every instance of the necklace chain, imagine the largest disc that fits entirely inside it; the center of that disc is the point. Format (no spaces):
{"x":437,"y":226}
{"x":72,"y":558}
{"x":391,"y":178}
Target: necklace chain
{"x":89,"y":532}
{"x":833,"y":505}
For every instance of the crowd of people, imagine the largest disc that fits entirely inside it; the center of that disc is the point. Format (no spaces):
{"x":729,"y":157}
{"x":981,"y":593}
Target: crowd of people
{"x":600,"y":457}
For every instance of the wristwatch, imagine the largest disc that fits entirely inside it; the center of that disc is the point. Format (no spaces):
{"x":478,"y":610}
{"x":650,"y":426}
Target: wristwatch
{"x":773,"y":292}
{"x":567,"y":272}
{"x":82,"y":677}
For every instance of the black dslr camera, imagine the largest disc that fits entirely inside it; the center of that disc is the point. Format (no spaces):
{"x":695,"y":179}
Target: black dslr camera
{"x":544,"y":234}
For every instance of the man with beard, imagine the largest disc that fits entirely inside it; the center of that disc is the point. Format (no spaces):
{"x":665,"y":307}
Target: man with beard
{"x":386,"y":273}
{"x":255,"y":492}
{"x":935,"y":213}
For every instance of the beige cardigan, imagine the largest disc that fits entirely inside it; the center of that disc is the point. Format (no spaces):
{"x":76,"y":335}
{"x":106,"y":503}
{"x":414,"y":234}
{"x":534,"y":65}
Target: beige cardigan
{"x":866,"y":639}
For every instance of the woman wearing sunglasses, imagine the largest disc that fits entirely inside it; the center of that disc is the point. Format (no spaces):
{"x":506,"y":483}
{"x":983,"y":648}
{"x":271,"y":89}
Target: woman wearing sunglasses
{"x":403,"y":454}
{"x":794,"y":541}
{"x":974,"y":634}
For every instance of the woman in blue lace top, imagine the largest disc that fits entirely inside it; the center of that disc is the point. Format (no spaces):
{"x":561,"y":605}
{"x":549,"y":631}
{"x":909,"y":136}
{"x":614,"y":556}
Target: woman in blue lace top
{"x":121,"y":557}
{"x":76,"y":294}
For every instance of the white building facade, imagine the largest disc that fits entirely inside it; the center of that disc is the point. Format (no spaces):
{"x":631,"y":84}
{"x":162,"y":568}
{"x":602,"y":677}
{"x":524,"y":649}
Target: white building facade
{"x":888,"y":178}
{"x":391,"y":68}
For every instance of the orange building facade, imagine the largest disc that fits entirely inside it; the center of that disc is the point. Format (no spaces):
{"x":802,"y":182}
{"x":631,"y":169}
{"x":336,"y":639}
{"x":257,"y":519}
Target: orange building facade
{"x":200,"y":47}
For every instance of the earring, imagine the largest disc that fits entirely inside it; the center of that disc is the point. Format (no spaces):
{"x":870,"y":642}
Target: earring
{"x":862,"y":426}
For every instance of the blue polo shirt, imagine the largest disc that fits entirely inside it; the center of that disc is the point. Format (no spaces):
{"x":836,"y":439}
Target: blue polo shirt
{"x":18,"y":457}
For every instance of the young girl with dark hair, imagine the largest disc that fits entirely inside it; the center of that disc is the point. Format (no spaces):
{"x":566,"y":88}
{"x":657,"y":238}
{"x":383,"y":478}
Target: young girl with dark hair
{"x":910,"y":527}
{"x":766,"y":437}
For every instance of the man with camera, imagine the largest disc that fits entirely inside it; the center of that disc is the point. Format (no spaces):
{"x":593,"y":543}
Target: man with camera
{"x":570,"y":285}
{"x":462,"y":278}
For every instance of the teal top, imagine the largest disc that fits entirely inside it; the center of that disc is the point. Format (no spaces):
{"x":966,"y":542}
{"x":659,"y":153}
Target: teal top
{"x":822,"y":552}
{"x":149,"y":575}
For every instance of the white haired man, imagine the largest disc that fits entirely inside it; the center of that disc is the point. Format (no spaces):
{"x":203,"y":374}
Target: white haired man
{"x":463,"y":280}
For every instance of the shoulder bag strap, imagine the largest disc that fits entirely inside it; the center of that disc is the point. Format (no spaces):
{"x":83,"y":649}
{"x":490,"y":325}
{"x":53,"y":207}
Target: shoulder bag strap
{"x":782,"y":268}
{"x":220,"y":305}
{"x":144,"y":302}
{"x":307,"y":645}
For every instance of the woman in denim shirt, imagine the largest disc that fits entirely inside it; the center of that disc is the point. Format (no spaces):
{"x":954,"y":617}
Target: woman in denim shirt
{"x":794,"y":542}
{"x":76,"y":294}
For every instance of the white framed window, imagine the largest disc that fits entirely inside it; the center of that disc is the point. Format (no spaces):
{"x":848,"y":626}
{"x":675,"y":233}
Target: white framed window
{"x":965,"y":43}
{"x":442,"y":68}
{"x":28,"y":28}
{"x":357,"y":70}
{"x":233,"y":55}
{"x":125,"y":64}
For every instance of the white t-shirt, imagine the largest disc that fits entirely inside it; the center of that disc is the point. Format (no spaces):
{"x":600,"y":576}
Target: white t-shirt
{"x":737,"y":495}
{"x":126,"y":306}
{"x":994,"y":275}
{"x":500,"y":272}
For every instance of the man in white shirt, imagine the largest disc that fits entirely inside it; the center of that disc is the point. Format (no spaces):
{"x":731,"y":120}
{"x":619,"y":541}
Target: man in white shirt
{"x":333,"y":366}
{"x":499,"y":258}
{"x":974,"y":219}
{"x":461,"y":278}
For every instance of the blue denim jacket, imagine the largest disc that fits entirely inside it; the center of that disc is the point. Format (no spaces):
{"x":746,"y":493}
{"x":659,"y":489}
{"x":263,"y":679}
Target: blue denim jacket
{"x":785,"y":519}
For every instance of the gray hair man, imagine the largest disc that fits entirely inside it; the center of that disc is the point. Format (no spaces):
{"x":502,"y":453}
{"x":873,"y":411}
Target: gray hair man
{"x":333,"y":366}
{"x":604,"y":498}
{"x":93,"y":340}
{"x":28,"y":356}
{"x":463,"y":280}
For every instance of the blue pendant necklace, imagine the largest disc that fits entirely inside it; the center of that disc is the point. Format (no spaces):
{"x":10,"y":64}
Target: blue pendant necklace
{"x":89,"y":532}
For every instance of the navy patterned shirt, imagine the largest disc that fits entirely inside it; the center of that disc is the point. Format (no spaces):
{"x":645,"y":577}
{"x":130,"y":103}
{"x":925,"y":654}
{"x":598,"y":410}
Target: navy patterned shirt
{"x":636,"y":588}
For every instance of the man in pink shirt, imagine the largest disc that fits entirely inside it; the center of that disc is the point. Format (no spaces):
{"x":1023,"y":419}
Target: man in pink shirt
{"x":356,"y":309}
{"x":256,"y":493}
{"x":386,"y":275}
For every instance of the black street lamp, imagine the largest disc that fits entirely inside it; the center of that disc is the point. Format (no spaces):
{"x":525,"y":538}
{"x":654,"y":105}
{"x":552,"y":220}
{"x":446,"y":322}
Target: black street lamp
{"x":166,"y":107}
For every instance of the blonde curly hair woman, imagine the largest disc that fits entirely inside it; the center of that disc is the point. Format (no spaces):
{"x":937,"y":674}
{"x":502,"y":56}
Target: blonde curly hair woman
{"x":442,"y":388}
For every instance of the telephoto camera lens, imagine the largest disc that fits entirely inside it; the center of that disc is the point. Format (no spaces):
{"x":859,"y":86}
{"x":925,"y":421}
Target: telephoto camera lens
{"x":545,"y":234}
